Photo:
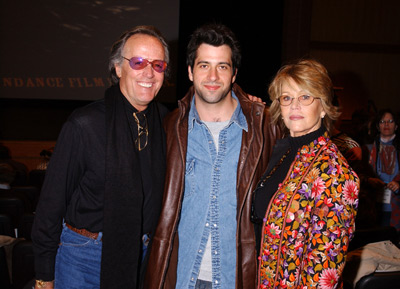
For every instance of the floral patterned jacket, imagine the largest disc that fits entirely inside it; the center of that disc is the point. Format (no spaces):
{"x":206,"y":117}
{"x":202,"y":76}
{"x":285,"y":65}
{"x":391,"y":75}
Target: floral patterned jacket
{"x":310,"y":221}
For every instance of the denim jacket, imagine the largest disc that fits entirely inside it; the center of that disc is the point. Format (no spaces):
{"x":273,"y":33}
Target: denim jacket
{"x":209,"y":201}
{"x":255,"y":150}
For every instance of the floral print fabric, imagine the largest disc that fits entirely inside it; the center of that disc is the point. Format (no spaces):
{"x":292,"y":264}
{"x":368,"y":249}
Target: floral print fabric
{"x":310,"y":221}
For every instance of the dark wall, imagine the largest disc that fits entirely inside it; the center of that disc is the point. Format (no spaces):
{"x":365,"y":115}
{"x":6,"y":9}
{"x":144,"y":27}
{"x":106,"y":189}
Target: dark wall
{"x":258,"y":29}
{"x":257,"y":25}
{"x":34,"y":119}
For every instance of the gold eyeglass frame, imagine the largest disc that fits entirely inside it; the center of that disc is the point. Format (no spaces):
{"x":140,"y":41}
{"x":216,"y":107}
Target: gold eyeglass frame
{"x":142,"y":132}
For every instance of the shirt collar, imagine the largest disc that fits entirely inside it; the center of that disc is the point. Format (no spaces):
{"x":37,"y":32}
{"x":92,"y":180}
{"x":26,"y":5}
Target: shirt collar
{"x":5,"y":187}
{"x":389,"y":140}
{"x":237,"y":117}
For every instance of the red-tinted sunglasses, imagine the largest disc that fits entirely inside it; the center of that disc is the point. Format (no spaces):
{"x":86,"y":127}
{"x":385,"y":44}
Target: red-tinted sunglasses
{"x":138,"y":63}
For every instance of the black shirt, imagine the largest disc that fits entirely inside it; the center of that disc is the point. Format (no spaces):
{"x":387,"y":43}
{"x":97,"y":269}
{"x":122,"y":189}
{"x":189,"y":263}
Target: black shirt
{"x":74,"y":185}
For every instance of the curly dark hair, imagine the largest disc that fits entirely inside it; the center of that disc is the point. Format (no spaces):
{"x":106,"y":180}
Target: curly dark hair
{"x":379,"y":116}
{"x":384,"y":111}
{"x":216,"y":35}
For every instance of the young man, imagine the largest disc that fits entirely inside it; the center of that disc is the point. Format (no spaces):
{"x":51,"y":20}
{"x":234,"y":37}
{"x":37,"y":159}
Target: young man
{"x":103,"y":189}
{"x":218,"y":146}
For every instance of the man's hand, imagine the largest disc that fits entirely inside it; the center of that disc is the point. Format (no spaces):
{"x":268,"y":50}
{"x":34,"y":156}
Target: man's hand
{"x":376,"y":183}
{"x":393,"y":186}
{"x":39,"y":284}
{"x":255,"y":98}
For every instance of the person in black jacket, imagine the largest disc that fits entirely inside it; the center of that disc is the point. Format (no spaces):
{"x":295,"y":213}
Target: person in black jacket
{"x":102,"y":194}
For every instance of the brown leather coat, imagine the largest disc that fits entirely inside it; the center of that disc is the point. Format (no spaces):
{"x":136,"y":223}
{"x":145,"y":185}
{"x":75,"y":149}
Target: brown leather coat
{"x":256,"y":148}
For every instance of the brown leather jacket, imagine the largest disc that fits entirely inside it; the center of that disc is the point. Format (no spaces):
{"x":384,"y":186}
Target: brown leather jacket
{"x":256,"y":148}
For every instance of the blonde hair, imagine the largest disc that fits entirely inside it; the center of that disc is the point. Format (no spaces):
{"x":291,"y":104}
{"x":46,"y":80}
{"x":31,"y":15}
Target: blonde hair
{"x":311,"y":76}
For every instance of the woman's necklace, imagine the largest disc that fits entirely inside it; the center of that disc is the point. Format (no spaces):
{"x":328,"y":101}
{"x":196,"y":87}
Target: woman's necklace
{"x":277,"y":165}
{"x":253,"y":216}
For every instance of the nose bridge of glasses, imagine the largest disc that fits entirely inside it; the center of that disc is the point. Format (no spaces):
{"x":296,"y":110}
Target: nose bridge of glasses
{"x":306,"y":99}
{"x":292,"y":100}
{"x":156,"y":65}
{"x":389,"y":121}
{"x":152,"y":64}
{"x":147,"y":63}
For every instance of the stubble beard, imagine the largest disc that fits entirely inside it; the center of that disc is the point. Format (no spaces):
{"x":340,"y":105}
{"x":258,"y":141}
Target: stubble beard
{"x":212,"y":99}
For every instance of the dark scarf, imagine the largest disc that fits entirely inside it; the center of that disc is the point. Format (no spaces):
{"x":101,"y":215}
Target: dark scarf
{"x":387,"y":154}
{"x":124,"y":195}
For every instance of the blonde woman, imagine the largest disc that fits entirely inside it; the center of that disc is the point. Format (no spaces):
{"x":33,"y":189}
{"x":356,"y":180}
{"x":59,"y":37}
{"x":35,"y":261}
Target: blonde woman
{"x":305,"y":204}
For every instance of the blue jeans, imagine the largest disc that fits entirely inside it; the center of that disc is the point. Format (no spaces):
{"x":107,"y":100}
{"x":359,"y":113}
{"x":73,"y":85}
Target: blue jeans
{"x":78,"y":261}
